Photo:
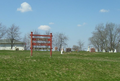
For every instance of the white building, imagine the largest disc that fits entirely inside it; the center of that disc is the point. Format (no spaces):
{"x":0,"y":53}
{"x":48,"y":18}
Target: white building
{"x":5,"y":44}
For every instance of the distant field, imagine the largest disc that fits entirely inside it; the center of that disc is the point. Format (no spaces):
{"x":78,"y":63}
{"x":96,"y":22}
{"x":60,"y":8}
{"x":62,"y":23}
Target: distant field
{"x":75,"y":66}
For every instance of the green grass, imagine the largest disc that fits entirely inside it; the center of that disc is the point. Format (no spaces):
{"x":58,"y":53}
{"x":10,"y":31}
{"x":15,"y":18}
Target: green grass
{"x":75,"y":66}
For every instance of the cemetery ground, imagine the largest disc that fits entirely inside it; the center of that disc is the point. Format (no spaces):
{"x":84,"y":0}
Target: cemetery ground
{"x":74,"y":66}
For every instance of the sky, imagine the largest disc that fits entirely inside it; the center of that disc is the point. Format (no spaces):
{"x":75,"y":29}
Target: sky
{"x":75,"y":18}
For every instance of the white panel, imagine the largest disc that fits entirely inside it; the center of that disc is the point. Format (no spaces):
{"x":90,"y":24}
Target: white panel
{"x":8,"y":46}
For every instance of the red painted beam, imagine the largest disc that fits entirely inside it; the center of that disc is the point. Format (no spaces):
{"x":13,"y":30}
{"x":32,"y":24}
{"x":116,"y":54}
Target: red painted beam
{"x":41,"y":44}
{"x":41,"y":35}
{"x":41,"y":39}
{"x":40,"y":48}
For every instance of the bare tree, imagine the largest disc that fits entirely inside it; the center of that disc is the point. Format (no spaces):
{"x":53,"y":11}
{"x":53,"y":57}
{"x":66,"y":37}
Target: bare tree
{"x":113,"y":32}
{"x":55,"y":40}
{"x":47,"y":33}
{"x":75,"y":47}
{"x":59,"y":40}
{"x":106,"y":37}
{"x":13,"y":34}
{"x":95,"y":42}
{"x":2,"y":30}
{"x":81,"y":45}
{"x":26,"y":40}
{"x":37,"y":33}
{"x":101,"y":34}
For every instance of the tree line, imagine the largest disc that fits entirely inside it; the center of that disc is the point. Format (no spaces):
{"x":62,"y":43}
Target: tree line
{"x":106,"y":37}
{"x":13,"y":33}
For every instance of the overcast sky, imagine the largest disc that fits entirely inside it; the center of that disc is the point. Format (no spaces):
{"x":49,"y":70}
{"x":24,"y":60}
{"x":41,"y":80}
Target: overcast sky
{"x":75,"y":18}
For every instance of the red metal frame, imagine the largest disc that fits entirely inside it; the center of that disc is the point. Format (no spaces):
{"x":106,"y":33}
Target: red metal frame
{"x":41,"y":44}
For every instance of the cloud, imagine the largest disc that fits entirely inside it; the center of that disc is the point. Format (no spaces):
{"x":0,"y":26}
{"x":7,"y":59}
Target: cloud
{"x":25,"y":7}
{"x":84,"y":23}
{"x":51,"y":23}
{"x":103,"y":10}
{"x":44,"y":27}
{"x":79,"y":25}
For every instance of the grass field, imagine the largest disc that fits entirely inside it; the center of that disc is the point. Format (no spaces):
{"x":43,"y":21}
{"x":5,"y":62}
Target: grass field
{"x":75,"y":66}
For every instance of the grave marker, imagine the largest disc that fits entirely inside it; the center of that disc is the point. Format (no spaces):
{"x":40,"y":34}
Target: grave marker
{"x":92,"y":50}
{"x":88,"y":48}
{"x":115,"y":51}
{"x":62,"y":50}
{"x":103,"y":50}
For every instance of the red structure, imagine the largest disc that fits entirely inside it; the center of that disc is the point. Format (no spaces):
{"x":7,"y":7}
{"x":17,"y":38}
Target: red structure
{"x":92,"y":50}
{"x":56,"y":48}
{"x":41,"y":44}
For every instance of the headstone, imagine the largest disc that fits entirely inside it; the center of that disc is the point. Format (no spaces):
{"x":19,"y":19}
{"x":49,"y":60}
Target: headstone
{"x":62,"y":50}
{"x":92,"y":50}
{"x":111,"y":51}
{"x":68,"y":49}
{"x":96,"y":50}
{"x":115,"y":51}
{"x":88,"y":48}
{"x":56,"y":48}
{"x":103,"y":50}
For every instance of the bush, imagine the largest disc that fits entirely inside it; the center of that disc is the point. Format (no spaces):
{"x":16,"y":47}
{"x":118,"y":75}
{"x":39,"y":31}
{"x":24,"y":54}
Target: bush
{"x":17,"y":49}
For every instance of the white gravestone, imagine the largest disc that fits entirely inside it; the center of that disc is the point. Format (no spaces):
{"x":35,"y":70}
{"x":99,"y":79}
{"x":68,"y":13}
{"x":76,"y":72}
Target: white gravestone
{"x":103,"y":50}
{"x":96,"y":50}
{"x":111,"y":51}
{"x":62,"y":50}
{"x":88,"y":48}
{"x":115,"y":51}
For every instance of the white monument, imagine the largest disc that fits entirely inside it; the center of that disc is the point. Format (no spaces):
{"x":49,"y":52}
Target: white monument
{"x":115,"y":51}
{"x":62,"y":50}
{"x":103,"y":50}
{"x":96,"y":50}
{"x":88,"y":48}
{"x":111,"y":51}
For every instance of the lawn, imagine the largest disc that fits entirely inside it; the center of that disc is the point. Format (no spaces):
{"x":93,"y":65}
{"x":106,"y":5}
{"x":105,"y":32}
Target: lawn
{"x":74,"y":66}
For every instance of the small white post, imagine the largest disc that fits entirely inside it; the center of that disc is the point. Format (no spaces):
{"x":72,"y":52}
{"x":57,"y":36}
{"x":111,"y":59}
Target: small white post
{"x":88,"y":48}
{"x":115,"y":51}
{"x":96,"y":50}
{"x":103,"y":50}
{"x":62,"y":50}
